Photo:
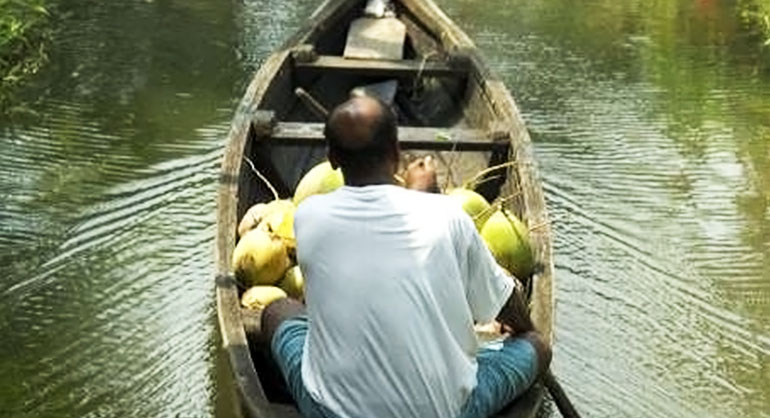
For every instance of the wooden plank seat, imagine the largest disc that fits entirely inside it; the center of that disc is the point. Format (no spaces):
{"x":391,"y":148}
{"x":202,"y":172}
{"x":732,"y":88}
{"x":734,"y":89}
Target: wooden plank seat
{"x":381,"y":68}
{"x":375,"y":38}
{"x":424,"y":138}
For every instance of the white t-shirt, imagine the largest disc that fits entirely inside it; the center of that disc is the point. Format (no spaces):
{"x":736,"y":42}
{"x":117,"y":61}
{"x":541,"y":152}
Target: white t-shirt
{"x":394,"y":282}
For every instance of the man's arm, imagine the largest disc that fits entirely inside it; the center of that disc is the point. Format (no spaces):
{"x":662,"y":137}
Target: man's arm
{"x":421,"y":175}
{"x":515,"y":316}
{"x":515,"y":313}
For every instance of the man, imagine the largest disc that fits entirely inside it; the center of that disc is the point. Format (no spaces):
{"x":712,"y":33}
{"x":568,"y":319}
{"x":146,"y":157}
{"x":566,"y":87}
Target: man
{"x":395,"y":280}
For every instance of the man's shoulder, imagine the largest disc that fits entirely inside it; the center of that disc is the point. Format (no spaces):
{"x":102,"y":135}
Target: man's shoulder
{"x":435,"y":205}
{"x":313,"y":205}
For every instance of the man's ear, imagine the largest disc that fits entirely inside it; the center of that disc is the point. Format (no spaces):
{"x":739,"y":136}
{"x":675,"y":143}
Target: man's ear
{"x":333,"y":158}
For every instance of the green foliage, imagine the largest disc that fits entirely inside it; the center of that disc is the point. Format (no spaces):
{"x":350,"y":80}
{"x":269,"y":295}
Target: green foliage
{"x":24,"y":35}
{"x":755,"y":14}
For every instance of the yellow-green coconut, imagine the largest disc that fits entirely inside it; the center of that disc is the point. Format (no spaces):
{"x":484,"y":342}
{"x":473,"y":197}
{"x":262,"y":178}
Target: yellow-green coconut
{"x":277,"y":216}
{"x":258,"y":297}
{"x":473,"y":204}
{"x":280,"y":220}
{"x":260,"y":258}
{"x":293,"y":283}
{"x":320,"y":179}
{"x":508,"y":240}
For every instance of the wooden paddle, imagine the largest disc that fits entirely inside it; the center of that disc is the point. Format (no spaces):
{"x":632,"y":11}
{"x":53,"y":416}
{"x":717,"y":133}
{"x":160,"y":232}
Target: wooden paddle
{"x":563,"y":404}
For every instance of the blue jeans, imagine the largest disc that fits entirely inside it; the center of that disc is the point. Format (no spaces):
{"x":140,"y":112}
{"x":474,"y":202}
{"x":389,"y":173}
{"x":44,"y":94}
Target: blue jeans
{"x":505,"y":370}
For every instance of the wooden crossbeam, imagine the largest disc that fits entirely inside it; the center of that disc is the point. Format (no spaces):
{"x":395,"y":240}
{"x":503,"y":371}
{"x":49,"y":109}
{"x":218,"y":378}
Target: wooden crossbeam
{"x":381,"y":68}
{"x":430,"y":138}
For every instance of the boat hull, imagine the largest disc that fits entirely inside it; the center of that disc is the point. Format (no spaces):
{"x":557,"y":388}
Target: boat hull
{"x":469,"y":98}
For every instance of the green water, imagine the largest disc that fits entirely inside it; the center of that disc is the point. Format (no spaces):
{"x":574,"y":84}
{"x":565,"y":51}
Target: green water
{"x":651,"y":123}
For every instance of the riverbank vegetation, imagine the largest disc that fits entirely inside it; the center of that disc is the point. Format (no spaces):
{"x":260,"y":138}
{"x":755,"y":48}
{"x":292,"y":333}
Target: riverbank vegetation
{"x":24,"y":36}
{"x":756,"y":16}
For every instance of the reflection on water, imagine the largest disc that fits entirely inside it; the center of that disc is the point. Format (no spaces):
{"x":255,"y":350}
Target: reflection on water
{"x":652,"y":130}
{"x":651,"y":122}
{"x":107,"y":210}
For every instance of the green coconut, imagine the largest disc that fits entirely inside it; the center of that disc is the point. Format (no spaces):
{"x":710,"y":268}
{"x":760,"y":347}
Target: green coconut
{"x":508,"y":240}
{"x":473,"y":204}
{"x":251,"y":219}
{"x":260,"y":258}
{"x":280,"y":220}
{"x":277,"y":216}
{"x":293,"y":283}
{"x":258,"y":297}
{"x":320,"y":179}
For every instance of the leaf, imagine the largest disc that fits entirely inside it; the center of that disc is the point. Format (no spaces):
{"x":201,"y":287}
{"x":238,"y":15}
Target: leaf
{"x":442,"y":136}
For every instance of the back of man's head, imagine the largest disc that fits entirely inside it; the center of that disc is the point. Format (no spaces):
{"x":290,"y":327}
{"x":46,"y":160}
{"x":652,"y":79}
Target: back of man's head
{"x":362,"y":138}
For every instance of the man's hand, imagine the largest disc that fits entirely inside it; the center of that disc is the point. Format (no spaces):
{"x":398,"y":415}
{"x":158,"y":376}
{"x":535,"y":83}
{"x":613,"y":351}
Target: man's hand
{"x":515,"y":313}
{"x":421,"y":175}
{"x":515,"y":316}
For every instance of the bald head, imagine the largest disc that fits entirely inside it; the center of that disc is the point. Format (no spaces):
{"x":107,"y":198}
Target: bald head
{"x":362,"y":138}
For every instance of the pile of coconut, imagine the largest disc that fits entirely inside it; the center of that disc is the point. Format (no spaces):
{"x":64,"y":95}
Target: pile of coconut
{"x":264,"y":259}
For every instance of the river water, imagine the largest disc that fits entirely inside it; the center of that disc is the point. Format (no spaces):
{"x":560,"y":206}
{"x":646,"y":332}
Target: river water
{"x":651,"y":123}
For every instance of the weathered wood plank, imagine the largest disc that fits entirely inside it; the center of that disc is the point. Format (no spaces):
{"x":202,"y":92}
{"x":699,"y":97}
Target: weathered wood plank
{"x":370,"y":38}
{"x":251,"y":393}
{"x":382,"y":68}
{"x":424,"y":138}
{"x":242,"y":367}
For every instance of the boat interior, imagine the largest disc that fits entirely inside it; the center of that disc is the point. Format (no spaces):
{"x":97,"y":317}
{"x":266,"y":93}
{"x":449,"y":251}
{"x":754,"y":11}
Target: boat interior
{"x":436,"y":92}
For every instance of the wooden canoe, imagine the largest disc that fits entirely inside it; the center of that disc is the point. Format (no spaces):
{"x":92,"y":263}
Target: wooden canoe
{"x":448,"y":103}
